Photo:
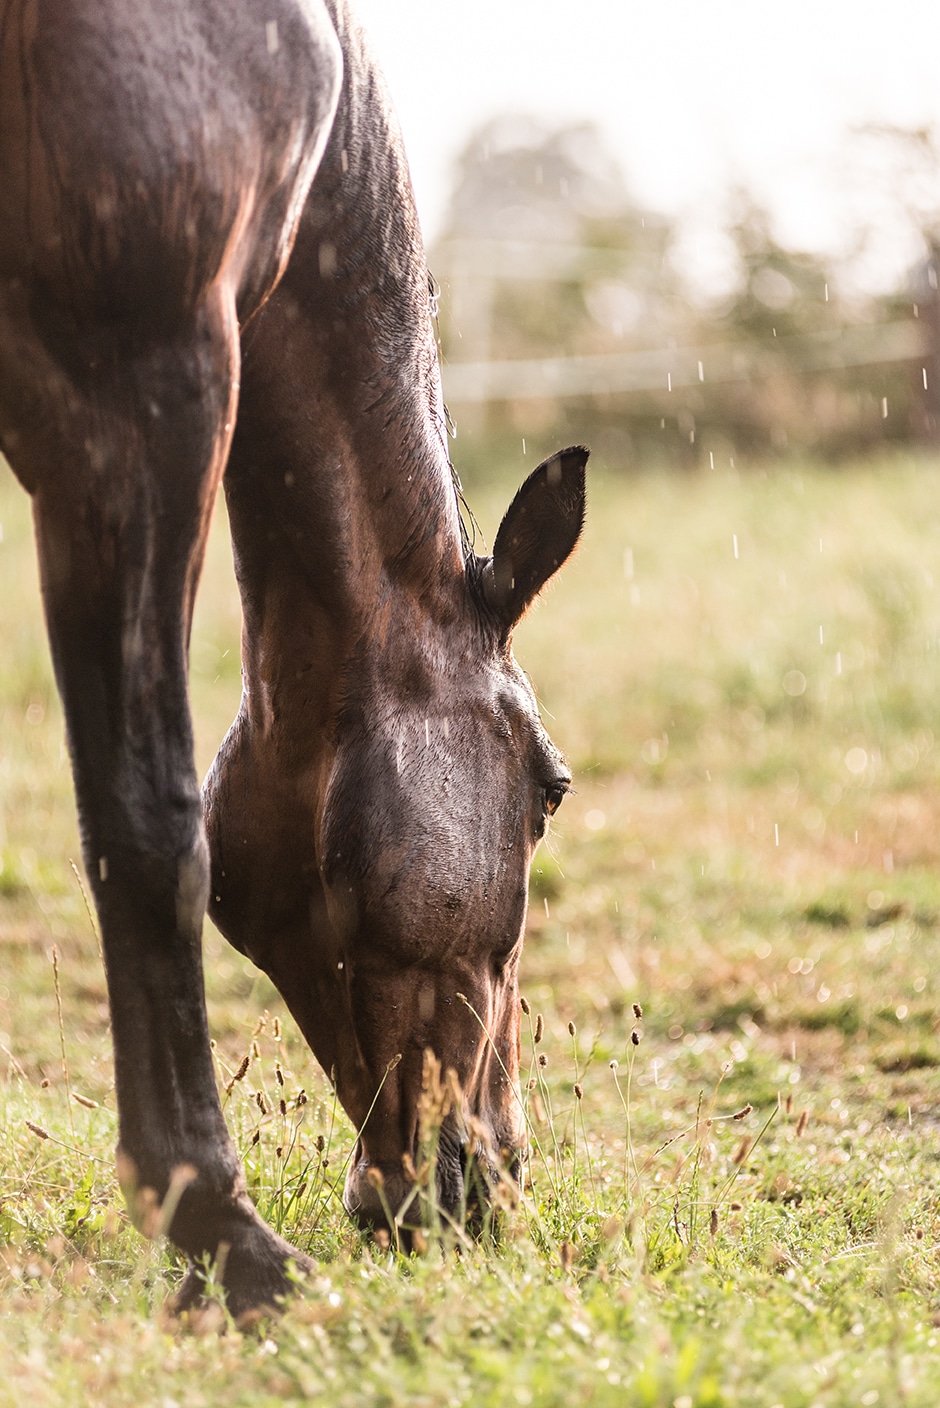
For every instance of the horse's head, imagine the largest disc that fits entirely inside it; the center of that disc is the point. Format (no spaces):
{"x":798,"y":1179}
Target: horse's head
{"x":441,"y":788}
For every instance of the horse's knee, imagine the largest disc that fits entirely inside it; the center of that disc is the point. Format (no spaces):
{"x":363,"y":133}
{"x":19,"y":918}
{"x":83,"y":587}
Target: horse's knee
{"x":152,"y":860}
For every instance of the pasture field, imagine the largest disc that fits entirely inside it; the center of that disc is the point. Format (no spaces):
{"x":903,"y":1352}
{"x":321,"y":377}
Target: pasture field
{"x":745,"y":673}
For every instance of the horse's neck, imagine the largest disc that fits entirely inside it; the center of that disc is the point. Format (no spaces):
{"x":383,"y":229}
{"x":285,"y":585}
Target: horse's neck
{"x":340,"y":490}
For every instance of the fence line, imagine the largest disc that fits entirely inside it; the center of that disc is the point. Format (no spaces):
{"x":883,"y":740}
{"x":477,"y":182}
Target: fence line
{"x":665,"y":369}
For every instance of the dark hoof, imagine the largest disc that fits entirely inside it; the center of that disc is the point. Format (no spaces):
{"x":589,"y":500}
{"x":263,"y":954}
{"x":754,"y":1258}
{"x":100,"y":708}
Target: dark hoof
{"x":257,"y":1270}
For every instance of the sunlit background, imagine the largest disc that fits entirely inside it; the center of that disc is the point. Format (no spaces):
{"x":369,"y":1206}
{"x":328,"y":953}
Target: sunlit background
{"x":689,"y":98}
{"x":729,"y":210}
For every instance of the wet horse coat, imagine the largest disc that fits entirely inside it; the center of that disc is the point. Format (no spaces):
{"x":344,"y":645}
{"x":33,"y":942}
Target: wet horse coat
{"x":209,"y":260}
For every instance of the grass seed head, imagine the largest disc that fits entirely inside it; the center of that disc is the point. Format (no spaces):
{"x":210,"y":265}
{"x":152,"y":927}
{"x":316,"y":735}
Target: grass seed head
{"x":635,"y":1037}
{"x":713,"y":1222}
{"x":38,"y":1130}
{"x":637,"y":1011}
{"x":524,"y":1004}
{"x":740,"y":1114}
{"x":539,"y":1029}
{"x":801,"y":1123}
{"x":578,"y":1092}
{"x":543,"y":1059}
{"x":240,"y":1073}
{"x":572,"y":1029}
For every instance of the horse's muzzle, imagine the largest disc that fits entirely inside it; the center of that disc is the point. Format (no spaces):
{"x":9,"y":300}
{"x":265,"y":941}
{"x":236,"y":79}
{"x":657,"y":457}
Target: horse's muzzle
{"x":378,"y":1195}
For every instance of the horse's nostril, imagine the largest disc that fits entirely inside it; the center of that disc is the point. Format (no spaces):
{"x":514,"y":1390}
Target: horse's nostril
{"x":379,"y":1194}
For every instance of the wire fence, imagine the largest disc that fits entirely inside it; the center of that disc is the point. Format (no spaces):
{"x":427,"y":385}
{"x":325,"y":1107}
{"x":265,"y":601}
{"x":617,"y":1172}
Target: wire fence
{"x":667,"y":369}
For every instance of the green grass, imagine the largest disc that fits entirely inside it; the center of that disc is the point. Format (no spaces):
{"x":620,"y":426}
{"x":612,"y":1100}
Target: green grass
{"x":752,"y":853}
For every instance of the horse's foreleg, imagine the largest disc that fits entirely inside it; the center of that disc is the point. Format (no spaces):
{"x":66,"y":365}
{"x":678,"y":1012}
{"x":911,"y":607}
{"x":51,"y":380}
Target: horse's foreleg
{"x":123,"y":449}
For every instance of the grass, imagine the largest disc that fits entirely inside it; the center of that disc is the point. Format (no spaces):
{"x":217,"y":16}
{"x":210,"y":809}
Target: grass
{"x":744,"y":672}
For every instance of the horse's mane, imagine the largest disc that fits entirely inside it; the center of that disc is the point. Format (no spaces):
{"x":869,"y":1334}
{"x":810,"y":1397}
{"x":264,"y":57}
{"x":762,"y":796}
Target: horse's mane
{"x":469,"y":527}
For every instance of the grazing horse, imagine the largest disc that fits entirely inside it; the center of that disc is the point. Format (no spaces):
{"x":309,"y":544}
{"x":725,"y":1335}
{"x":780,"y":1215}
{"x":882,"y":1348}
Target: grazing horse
{"x":210,"y":260}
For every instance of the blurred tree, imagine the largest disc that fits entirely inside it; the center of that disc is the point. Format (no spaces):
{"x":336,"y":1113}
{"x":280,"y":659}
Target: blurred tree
{"x":544,"y":251}
{"x":781,"y":293}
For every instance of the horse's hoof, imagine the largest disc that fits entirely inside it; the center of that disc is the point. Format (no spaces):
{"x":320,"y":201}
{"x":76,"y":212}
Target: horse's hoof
{"x":258,"y":1272}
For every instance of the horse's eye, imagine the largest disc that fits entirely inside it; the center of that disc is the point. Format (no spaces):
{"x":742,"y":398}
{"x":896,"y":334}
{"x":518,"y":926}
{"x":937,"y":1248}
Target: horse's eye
{"x":554,"y":796}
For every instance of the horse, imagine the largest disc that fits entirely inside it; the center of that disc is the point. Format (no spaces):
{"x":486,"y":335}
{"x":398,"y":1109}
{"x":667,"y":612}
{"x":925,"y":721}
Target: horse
{"x":210,"y":262}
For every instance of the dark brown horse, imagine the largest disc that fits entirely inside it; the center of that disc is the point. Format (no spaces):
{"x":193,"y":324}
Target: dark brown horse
{"x":205,"y":214}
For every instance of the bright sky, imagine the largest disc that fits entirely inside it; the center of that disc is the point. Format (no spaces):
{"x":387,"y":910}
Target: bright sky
{"x":691,"y":95}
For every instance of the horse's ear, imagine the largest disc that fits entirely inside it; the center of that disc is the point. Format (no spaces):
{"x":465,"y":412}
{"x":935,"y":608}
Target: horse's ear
{"x":539,"y":532}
